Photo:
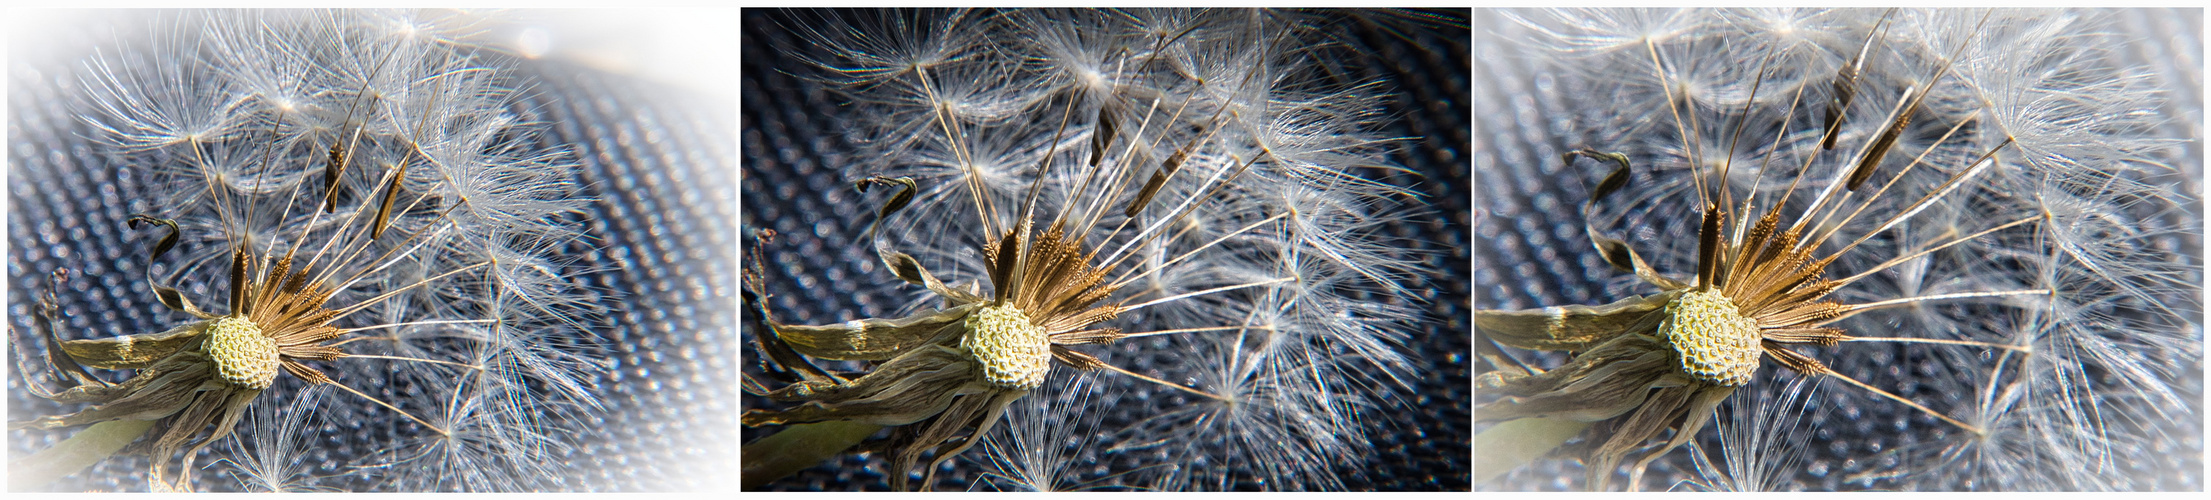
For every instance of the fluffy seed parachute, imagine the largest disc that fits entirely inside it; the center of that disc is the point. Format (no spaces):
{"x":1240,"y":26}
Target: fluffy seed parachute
{"x":347,"y":201}
{"x":1141,"y":192}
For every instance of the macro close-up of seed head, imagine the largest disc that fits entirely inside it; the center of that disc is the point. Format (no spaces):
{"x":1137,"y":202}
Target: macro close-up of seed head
{"x":354,"y":250}
{"x":1838,"y":249}
{"x":1148,"y":249}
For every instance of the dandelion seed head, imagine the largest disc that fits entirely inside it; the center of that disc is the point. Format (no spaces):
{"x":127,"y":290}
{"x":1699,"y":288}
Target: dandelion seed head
{"x":1221,"y":170}
{"x":383,"y":158}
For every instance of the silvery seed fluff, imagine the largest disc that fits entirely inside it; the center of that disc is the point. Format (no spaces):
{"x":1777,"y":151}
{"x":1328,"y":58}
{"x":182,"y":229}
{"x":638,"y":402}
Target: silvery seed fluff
{"x":1963,"y":240}
{"x":1183,"y":207}
{"x":342,"y":214}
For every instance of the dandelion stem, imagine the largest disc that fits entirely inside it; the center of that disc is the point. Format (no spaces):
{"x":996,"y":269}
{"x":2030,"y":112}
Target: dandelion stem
{"x":1193,"y":330}
{"x":955,"y":136}
{"x":357,"y":339}
{"x":379,"y":402}
{"x":1858,"y":308}
{"x":1212,"y":185}
{"x":1929,"y":200}
{"x":88,"y":447}
{"x":215,"y":181}
{"x":1509,"y":445}
{"x":1149,"y":378}
{"x":402,"y":358}
{"x":1727,"y":166}
{"x":1185,"y":255}
{"x":380,"y":298}
{"x":797,"y":447}
{"x":1915,"y":255}
{"x":1900,"y":399}
{"x":1937,"y":341}
{"x":417,"y":323}
{"x":1899,"y":177}
{"x":1674,"y":103}
{"x":1204,"y":292}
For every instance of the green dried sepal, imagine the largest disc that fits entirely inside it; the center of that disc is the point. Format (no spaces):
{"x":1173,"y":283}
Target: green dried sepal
{"x":133,"y":352}
{"x":155,"y":392}
{"x":1683,"y":409}
{"x":872,"y":339}
{"x":1603,"y":383}
{"x":907,"y":389}
{"x":973,"y":416}
{"x":1572,"y":328}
